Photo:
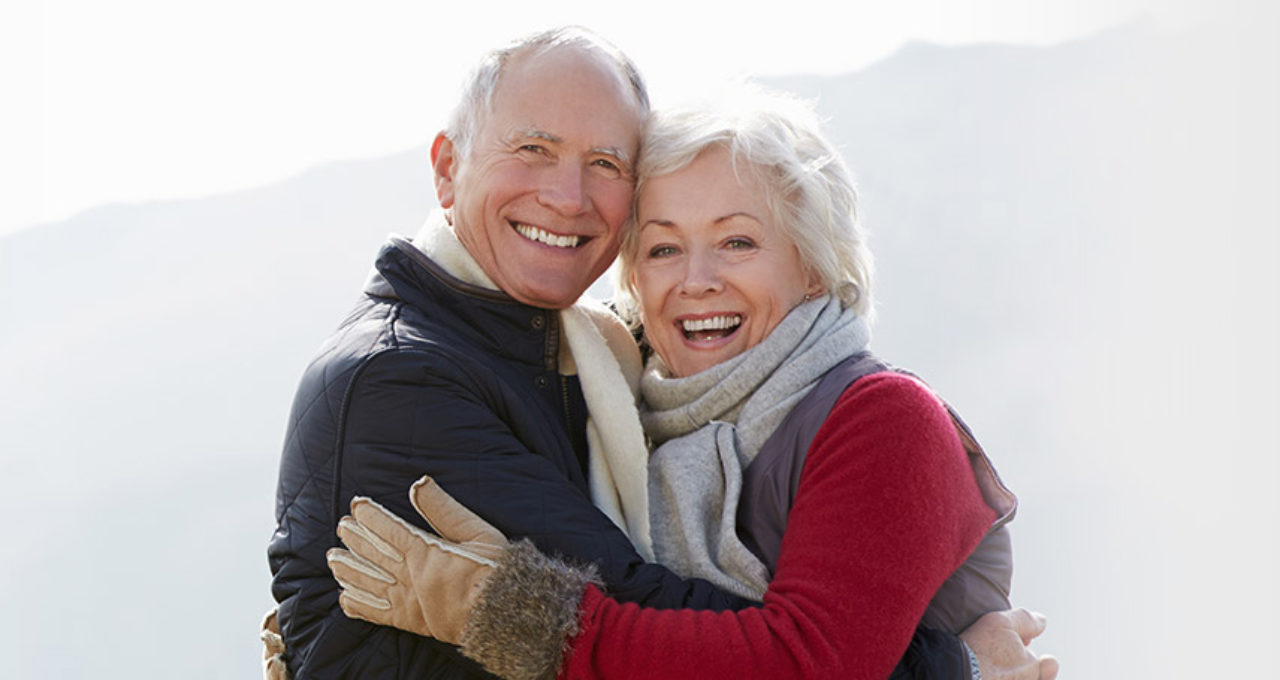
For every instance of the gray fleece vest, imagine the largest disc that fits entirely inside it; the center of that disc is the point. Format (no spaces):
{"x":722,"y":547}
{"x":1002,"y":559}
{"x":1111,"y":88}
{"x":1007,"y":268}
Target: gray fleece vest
{"x":769,"y":486}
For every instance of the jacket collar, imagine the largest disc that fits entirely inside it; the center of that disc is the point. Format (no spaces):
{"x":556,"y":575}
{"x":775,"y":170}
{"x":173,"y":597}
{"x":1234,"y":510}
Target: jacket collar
{"x":497,"y":322}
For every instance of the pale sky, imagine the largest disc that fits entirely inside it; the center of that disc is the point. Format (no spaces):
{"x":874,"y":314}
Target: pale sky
{"x":137,"y":100}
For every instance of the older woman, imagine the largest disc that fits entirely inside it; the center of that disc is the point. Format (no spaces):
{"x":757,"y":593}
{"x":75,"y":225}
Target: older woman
{"x":752,"y":282}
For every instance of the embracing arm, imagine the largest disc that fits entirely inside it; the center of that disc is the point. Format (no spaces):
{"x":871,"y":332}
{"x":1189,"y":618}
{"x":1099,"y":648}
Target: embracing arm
{"x":410,"y":413}
{"x":879,"y":522}
{"x":343,"y":434}
{"x":463,"y":430}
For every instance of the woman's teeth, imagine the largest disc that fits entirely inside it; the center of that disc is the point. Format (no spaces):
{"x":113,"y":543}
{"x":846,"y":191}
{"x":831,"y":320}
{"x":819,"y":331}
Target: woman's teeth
{"x":536,"y":234}
{"x":710,"y":327}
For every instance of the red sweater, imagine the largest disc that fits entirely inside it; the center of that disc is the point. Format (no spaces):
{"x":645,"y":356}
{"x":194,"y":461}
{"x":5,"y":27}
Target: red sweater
{"x":886,"y":509}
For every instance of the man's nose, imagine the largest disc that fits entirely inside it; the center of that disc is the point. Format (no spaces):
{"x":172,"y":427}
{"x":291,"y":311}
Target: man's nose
{"x":562,"y":189}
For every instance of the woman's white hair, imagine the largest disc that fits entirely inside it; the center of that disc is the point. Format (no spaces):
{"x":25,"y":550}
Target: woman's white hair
{"x":477,"y":91}
{"x":809,"y":189}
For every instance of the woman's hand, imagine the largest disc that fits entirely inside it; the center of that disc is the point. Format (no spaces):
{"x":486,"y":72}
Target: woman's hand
{"x":395,"y":574}
{"x":1001,"y":640}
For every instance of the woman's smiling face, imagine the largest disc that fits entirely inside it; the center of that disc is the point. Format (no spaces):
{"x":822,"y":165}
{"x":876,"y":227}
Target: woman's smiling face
{"x":713,"y":274}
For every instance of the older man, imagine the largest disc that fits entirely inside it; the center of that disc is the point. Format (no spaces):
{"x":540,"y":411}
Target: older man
{"x":451,"y":364}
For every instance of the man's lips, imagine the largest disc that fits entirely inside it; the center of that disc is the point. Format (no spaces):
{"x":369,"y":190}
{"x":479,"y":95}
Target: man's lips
{"x":545,"y":237}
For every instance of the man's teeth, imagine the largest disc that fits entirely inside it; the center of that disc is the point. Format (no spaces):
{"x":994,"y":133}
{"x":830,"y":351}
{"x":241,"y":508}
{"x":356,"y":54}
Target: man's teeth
{"x":714,"y":323}
{"x":536,"y":234}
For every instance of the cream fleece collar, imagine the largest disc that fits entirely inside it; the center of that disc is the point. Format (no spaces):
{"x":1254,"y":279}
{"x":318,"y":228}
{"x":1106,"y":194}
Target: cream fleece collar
{"x":437,"y":240}
{"x":602,"y":352}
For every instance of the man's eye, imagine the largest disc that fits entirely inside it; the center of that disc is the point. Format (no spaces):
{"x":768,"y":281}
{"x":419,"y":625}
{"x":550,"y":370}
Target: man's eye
{"x":533,"y":148}
{"x":608,"y":164}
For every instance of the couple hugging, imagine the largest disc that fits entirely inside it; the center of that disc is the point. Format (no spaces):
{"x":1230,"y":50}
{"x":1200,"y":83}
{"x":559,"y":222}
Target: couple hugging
{"x":485,"y":475}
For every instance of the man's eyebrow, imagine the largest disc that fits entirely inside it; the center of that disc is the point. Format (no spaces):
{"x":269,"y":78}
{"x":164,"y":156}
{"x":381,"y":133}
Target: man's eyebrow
{"x":525,"y":133}
{"x":543,"y":134}
{"x":620,"y":154}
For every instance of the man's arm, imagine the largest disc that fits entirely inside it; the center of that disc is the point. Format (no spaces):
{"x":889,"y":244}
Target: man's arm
{"x":409,"y":413}
{"x":476,"y":441}
{"x":321,"y":642}
{"x":933,"y":654}
{"x":1001,"y":641}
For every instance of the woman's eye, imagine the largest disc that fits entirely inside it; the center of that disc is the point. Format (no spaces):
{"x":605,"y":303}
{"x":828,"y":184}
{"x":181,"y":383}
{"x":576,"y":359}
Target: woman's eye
{"x":740,"y":243}
{"x":662,"y":251}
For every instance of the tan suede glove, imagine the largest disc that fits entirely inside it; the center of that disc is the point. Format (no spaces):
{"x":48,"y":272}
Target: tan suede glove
{"x":395,"y":574}
{"x":273,"y":667}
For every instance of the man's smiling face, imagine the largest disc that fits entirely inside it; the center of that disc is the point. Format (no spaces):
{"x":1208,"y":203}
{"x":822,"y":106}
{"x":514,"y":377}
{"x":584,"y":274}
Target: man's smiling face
{"x":541,"y":199}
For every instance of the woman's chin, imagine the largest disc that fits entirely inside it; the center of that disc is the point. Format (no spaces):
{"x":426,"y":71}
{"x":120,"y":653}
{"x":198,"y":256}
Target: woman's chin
{"x":690,"y":357}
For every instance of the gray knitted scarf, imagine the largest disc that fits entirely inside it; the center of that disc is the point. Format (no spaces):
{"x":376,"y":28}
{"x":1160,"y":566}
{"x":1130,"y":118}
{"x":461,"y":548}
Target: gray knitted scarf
{"x":708,"y":427}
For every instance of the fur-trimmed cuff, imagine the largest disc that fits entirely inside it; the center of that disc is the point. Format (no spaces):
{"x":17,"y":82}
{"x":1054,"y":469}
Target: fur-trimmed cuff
{"x":521,"y":625}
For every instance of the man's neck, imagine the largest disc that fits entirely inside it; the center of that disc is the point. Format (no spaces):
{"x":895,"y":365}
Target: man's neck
{"x":437,"y":239}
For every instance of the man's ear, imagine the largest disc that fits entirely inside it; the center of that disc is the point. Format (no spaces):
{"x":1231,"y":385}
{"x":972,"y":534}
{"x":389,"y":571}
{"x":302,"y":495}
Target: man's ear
{"x":443,"y":163}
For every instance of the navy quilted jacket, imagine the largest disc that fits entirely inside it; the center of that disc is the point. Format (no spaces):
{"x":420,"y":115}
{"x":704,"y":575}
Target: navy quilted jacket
{"x":430,"y":375}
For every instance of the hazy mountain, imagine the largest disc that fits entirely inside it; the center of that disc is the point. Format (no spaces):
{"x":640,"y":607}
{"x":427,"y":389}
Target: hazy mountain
{"x":148,"y":358}
{"x":1075,"y":245}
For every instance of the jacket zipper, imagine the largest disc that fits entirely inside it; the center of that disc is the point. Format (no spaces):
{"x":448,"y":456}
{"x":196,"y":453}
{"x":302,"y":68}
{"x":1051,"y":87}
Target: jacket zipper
{"x":564,"y":401}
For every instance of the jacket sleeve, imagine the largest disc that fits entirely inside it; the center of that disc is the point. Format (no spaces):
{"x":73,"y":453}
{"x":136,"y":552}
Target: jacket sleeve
{"x":934,"y":655}
{"x":410,"y":413}
{"x":885,"y":511}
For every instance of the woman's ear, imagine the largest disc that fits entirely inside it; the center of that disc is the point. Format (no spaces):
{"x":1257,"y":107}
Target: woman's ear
{"x":815,"y":288}
{"x":444,"y":165}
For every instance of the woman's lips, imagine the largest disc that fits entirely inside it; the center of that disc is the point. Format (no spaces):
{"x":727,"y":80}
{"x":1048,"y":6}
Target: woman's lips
{"x":709,"y":327}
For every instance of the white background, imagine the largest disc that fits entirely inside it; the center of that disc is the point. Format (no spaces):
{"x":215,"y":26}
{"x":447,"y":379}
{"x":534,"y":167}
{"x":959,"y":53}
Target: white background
{"x":144,"y":99}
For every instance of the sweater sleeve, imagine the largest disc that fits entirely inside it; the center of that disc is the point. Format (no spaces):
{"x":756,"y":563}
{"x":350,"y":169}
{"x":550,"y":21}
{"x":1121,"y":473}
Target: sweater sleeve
{"x":886,"y":509}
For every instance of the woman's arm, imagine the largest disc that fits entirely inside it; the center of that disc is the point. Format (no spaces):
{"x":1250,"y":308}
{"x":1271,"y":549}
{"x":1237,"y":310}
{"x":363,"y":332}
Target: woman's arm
{"x":886,"y":510}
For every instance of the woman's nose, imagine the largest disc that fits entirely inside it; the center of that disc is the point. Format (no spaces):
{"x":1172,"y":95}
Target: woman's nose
{"x":701,"y":275}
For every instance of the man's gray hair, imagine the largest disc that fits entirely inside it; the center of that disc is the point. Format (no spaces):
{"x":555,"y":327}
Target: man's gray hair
{"x":808,"y":188}
{"x":477,"y":92}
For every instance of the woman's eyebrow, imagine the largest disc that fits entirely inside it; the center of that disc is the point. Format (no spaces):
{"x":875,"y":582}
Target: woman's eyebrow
{"x":661,"y":222}
{"x":732,"y":215}
{"x":657,"y":223}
